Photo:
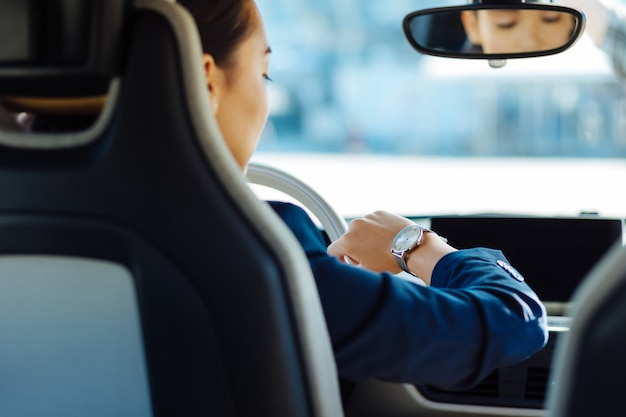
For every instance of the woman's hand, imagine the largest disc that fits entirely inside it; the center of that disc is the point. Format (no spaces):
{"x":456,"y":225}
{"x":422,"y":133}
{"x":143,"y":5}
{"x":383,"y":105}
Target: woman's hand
{"x":368,"y":241}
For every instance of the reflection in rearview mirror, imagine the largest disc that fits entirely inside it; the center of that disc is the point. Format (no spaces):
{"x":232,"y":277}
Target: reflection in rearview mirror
{"x":494,"y":32}
{"x":505,"y":31}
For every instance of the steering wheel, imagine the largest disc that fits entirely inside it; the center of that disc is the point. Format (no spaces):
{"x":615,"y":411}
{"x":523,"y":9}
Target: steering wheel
{"x":334,"y":225}
{"x":266,"y":175}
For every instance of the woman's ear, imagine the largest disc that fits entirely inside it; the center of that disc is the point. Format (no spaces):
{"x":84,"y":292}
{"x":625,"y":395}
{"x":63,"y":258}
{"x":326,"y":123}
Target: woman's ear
{"x":209,"y":64}
{"x":211,"y":73}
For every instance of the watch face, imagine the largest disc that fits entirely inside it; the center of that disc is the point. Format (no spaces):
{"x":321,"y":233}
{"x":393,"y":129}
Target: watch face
{"x":407,"y":238}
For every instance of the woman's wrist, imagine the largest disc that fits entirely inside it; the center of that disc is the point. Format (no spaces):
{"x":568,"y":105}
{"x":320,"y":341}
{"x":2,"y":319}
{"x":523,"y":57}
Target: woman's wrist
{"x":422,"y":261}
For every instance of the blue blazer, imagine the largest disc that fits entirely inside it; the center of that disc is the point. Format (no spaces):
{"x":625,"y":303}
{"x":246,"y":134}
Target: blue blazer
{"x":477,"y":315}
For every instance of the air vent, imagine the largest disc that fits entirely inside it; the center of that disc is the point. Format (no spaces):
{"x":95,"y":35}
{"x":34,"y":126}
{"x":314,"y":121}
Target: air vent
{"x":536,"y":383}
{"x":488,"y":388}
{"x":519,"y":386}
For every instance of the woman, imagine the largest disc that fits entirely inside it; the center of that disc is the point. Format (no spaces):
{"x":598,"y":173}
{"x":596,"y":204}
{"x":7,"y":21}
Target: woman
{"x":476,"y":316}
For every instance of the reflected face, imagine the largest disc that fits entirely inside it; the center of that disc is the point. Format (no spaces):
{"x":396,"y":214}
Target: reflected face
{"x":516,"y":31}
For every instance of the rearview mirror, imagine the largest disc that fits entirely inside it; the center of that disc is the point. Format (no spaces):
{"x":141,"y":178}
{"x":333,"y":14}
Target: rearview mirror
{"x":494,"y":31}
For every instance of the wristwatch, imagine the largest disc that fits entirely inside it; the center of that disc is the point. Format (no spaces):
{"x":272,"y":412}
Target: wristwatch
{"x":407,"y":240}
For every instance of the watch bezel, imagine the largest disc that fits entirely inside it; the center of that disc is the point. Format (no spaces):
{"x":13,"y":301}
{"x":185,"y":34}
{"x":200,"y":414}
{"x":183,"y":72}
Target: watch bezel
{"x":400,"y":250}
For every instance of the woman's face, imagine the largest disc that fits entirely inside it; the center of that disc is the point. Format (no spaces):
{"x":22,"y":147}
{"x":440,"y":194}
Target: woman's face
{"x":515,"y":31}
{"x":238,"y":93}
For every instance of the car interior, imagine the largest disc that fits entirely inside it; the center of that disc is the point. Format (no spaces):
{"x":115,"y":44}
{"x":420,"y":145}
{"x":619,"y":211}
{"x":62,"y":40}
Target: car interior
{"x":124,"y":220}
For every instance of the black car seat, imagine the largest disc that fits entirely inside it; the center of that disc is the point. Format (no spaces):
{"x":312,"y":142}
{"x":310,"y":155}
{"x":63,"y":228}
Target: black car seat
{"x":589,"y":374}
{"x":138,"y":273}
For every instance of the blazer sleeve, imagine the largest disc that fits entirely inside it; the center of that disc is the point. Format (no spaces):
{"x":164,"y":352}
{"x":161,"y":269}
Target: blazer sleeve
{"x":477,"y":315}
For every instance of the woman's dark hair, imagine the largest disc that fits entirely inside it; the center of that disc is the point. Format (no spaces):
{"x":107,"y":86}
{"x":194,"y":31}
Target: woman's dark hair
{"x":222,"y":25}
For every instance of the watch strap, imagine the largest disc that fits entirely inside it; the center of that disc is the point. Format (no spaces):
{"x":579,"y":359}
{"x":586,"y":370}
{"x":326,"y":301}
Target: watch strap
{"x":402,"y":263}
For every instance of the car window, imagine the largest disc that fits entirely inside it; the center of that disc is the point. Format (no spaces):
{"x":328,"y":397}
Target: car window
{"x":372,"y":124}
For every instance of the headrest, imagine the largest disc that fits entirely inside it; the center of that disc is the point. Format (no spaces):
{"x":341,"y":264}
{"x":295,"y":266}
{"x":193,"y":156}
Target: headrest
{"x":60,"y":48}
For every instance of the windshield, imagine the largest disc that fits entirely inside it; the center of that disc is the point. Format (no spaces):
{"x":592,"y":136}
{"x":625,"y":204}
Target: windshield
{"x":371,"y":124}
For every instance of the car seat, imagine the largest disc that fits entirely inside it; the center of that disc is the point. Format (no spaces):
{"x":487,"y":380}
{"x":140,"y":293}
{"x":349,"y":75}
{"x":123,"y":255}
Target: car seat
{"x":138,"y":273}
{"x":589,"y":373}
